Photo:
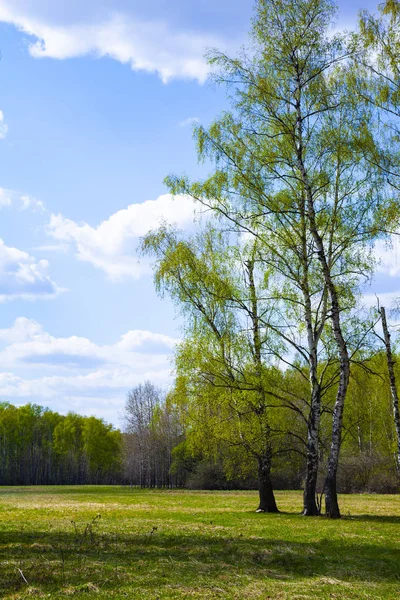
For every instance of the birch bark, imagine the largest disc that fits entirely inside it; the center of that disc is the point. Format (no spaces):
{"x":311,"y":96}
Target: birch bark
{"x":330,"y":488}
{"x":393,"y":386}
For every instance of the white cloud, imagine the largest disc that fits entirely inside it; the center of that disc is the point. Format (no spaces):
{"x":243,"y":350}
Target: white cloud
{"x":189,"y":121}
{"x":3,"y":126}
{"x":112,"y":246}
{"x":151,"y":46}
{"x":23,"y":330}
{"x":28,"y":343}
{"x":5,"y":197}
{"x":75,"y":372}
{"x":20,"y":201}
{"x":32,"y":203}
{"x":388,"y":256}
{"x":386,"y":299}
{"x":23,"y":277}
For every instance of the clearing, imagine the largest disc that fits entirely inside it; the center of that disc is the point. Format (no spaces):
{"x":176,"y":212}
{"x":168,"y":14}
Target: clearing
{"x":114,"y":542}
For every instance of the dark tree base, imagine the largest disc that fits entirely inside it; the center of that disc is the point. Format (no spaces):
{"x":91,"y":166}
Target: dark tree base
{"x":267,"y":498}
{"x":310,"y":507}
{"x":331,"y":500}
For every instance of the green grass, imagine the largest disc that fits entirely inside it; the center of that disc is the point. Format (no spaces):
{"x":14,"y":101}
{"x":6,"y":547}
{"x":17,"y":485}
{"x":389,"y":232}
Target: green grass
{"x":178,"y":544}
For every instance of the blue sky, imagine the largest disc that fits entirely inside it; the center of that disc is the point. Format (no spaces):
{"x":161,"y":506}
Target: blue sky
{"x":97,"y":104}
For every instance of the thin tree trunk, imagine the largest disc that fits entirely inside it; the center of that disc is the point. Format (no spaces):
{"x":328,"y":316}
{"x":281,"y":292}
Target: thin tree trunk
{"x":267,"y":498}
{"x":393,"y":387}
{"x":310,"y":506}
{"x":331,"y":502}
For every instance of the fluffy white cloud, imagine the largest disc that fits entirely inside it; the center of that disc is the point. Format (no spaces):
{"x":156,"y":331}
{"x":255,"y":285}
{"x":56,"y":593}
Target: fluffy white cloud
{"x":145,"y":45}
{"x":112,"y":246}
{"x":77,"y":374}
{"x":22,"y":276}
{"x":26,"y":342}
{"x":3,"y":126}
{"x":387,"y":299}
{"x":23,"y":330}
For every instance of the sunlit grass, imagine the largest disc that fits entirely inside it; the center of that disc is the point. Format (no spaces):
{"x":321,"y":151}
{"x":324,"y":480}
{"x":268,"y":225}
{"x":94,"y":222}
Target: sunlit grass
{"x":122,"y":543}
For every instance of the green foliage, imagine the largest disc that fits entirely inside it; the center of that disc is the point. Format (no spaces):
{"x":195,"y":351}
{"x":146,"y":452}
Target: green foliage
{"x":102,"y":447}
{"x":216,"y":435}
{"x":376,"y":81}
{"x":38,"y":446}
{"x":300,"y":167}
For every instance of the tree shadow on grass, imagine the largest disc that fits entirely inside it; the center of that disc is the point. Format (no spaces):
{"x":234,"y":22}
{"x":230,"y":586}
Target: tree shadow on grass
{"x":153,"y":560}
{"x":384,"y":519}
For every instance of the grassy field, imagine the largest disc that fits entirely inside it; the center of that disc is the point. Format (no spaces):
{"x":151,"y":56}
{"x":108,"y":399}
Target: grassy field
{"x":111,"y":542}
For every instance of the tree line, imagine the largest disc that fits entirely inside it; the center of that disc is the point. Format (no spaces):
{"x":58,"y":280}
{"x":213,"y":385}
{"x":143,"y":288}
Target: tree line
{"x":191,"y":437}
{"x":41,"y":447}
{"x":176,"y":440}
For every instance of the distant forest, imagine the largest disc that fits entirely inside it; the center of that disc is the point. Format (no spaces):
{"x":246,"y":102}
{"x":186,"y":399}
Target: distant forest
{"x":40,"y":447}
{"x":167,"y":442}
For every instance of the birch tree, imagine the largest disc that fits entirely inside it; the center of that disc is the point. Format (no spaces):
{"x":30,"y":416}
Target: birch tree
{"x":375,"y":77}
{"x":392,"y":381}
{"x":291,"y":154}
{"x":219,"y":289}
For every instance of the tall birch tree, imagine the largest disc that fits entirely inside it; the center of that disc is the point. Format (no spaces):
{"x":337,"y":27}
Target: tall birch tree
{"x":290,"y":163}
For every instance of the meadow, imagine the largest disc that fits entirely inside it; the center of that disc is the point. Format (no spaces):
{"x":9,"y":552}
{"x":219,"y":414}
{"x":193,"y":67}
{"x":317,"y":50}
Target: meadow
{"x":114,"y":542}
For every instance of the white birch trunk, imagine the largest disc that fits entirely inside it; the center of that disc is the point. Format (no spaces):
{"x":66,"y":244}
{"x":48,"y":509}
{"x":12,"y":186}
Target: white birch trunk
{"x":331,"y":502}
{"x":393,"y":387}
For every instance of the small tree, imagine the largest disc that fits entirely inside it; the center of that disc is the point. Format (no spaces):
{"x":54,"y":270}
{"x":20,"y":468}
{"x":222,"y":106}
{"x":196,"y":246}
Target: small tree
{"x":152,"y":430}
{"x":219,"y":288}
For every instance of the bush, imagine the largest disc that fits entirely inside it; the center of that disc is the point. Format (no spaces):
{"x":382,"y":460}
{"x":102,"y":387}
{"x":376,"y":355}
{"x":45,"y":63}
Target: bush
{"x":207,"y":476}
{"x":367,"y":472}
{"x":210,"y":476}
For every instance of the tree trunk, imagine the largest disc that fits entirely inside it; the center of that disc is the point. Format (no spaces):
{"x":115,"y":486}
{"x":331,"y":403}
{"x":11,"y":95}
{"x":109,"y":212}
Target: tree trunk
{"x":332,"y":507}
{"x":267,"y":498}
{"x":331,"y":500}
{"x":393,"y":387}
{"x":310,"y":506}
{"x":331,"y":503}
